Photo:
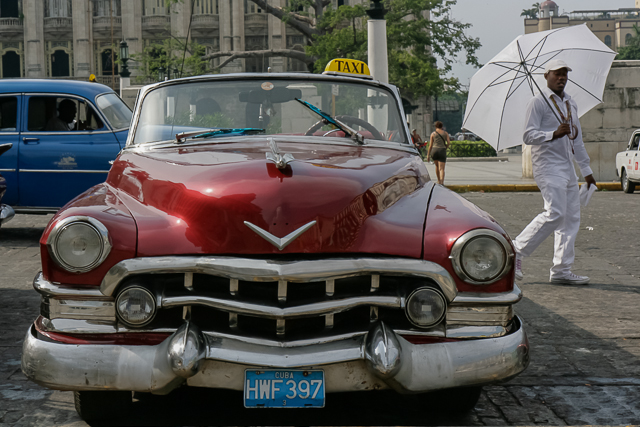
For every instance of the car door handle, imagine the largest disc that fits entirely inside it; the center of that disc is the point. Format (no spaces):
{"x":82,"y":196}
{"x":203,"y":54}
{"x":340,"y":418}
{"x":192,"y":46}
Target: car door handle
{"x":31,"y":140}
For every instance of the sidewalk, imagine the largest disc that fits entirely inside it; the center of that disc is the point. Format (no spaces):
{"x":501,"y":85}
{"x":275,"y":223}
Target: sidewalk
{"x":491,"y":174}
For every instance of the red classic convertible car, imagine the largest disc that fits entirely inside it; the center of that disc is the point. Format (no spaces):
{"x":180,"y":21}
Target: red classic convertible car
{"x":279,"y":235}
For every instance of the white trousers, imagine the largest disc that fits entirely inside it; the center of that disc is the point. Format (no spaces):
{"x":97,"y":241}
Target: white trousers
{"x":561,"y":216}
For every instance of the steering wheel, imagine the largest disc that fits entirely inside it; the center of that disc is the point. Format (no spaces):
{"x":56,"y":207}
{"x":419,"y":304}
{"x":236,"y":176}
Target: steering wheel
{"x":351,"y":121}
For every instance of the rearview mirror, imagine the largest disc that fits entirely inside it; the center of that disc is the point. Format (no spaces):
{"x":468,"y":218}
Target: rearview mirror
{"x":275,"y":96}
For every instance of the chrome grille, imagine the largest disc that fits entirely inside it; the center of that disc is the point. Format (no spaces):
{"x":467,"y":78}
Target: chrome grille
{"x":284,"y":307}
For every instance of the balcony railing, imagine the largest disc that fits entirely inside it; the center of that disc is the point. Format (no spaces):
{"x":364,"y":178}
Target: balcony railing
{"x":255,"y":19}
{"x":11,"y":26}
{"x":105,"y":21}
{"x":156,"y":22}
{"x":205,"y":21}
{"x":58,"y":23}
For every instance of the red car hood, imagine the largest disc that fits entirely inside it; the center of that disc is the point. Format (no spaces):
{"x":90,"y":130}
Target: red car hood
{"x":196,"y":199}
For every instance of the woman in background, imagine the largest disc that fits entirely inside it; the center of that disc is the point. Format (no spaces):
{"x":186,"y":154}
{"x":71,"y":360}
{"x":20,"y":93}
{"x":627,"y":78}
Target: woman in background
{"x":438,"y":145}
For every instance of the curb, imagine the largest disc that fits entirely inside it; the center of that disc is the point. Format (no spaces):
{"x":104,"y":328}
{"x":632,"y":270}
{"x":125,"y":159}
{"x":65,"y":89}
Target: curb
{"x":513,"y":188}
{"x":477,"y":159}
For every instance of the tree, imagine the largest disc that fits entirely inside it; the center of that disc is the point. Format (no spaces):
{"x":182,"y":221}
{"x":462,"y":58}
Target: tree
{"x":632,"y":49}
{"x":531,"y":13}
{"x":415,"y":42}
{"x":168,"y":54}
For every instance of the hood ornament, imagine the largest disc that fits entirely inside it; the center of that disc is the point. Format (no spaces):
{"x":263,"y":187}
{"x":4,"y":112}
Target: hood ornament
{"x":275,"y":156}
{"x":275,"y":241}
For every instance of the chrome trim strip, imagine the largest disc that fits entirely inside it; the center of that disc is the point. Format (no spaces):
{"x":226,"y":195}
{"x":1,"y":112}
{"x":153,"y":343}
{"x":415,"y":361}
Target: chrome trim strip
{"x":61,"y":171}
{"x":96,"y":225}
{"x":484,"y":298}
{"x":11,"y":133}
{"x":270,"y":312}
{"x":52,"y":290}
{"x":458,"y":246}
{"x":104,"y":326}
{"x":7,"y":170}
{"x":35,"y":210}
{"x":30,"y":133}
{"x":500,"y":315}
{"x":261,"y":270}
{"x":475,"y":332}
{"x":90,"y":310}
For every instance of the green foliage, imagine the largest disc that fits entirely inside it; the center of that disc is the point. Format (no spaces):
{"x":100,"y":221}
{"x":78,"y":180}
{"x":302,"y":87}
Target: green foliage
{"x":471,"y":149}
{"x":168,"y":55}
{"x":632,"y":50}
{"x":208,"y":121}
{"x":531,"y":13}
{"x":343,"y":35}
{"x":414,"y":42}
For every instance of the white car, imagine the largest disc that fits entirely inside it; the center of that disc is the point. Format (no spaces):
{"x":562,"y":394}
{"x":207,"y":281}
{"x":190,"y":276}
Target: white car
{"x":627,"y":164}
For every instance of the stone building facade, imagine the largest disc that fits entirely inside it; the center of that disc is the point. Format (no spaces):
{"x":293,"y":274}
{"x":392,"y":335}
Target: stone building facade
{"x":613,"y":27}
{"x":74,"y":38}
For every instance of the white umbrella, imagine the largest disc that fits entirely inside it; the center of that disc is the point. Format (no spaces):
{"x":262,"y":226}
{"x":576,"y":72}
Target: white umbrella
{"x":500,"y":90}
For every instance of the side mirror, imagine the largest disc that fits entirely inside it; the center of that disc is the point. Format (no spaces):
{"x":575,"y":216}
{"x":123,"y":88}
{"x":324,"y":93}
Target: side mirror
{"x":5,"y":147}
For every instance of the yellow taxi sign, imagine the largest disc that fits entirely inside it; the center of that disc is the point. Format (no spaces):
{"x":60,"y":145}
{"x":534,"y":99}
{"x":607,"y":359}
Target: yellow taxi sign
{"x":348,"y":67}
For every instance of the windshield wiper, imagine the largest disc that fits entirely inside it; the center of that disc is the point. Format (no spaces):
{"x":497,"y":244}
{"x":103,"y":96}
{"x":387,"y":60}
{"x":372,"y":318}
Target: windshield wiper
{"x":333,"y":121}
{"x":212,"y":133}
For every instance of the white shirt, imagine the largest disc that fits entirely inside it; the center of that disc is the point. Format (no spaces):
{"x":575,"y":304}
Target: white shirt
{"x":553,"y":156}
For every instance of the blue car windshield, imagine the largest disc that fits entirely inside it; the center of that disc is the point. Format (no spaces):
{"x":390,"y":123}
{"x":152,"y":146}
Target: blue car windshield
{"x":271,"y":104}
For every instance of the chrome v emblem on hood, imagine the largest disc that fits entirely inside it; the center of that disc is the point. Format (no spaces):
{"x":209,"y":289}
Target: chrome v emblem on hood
{"x":275,"y":241}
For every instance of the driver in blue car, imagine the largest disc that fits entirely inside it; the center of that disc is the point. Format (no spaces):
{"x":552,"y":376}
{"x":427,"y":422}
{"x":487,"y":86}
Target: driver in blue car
{"x":66,"y":115}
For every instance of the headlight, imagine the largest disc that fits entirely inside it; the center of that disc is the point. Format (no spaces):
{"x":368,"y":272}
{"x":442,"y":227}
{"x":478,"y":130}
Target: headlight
{"x":79,"y":243}
{"x":481,"y":257}
{"x":136,"y":306}
{"x":425,"y":307}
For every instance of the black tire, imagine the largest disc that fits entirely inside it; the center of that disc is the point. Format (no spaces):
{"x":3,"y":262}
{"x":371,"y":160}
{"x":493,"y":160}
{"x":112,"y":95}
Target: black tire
{"x":627,"y":186}
{"x":453,"y":401}
{"x":102,"y":405}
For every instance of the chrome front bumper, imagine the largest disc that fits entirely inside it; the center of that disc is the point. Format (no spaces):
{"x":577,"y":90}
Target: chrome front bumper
{"x":6,"y":213}
{"x":377,"y":360}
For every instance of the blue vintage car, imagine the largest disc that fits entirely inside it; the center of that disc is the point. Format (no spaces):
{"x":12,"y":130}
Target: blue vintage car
{"x":62,"y":136}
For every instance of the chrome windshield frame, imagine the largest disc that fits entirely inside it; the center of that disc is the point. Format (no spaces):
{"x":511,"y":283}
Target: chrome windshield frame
{"x":270,"y":76}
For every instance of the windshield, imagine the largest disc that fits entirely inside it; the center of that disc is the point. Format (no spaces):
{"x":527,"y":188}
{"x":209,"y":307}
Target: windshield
{"x":272,"y":105}
{"x":115,"y":110}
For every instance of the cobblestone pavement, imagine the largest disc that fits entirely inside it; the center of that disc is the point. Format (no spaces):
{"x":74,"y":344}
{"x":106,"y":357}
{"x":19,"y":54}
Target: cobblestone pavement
{"x":585,"y":357}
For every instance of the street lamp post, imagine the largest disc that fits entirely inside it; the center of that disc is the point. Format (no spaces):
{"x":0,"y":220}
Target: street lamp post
{"x":161,"y":74}
{"x":124,"y":70}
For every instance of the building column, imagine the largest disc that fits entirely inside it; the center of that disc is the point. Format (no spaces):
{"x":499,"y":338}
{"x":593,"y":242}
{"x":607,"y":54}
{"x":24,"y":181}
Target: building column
{"x":82,"y":38}
{"x":237,"y":66}
{"x":132,"y":31}
{"x":34,"y":59}
{"x":277,"y":40}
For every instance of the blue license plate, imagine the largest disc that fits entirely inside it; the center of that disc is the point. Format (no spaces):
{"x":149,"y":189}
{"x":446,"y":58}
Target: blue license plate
{"x":283,"y":388}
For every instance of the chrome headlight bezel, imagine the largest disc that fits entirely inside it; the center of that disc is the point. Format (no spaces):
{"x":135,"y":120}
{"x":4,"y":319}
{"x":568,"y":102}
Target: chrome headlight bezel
{"x":437,"y":319}
{"x":99,"y":228}
{"x":139,"y":324}
{"x":459,"y":247}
